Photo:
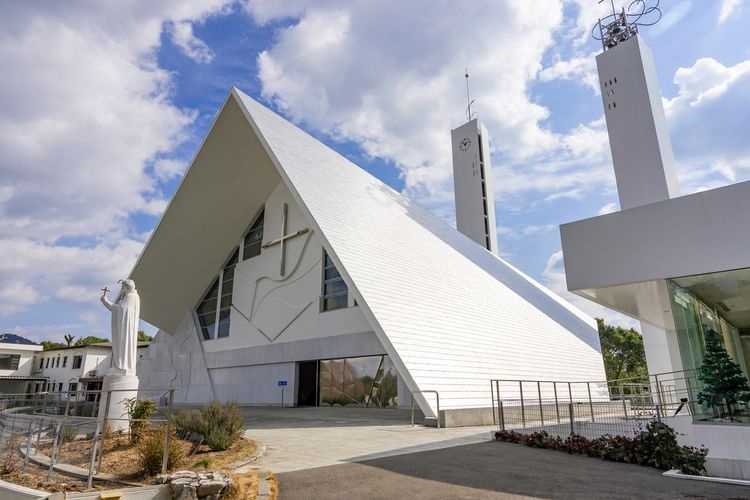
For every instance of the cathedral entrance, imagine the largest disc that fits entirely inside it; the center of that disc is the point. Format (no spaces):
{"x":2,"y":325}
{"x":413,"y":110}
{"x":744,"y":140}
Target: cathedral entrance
{"x":368,"y":381}
{"x":307,"y":389}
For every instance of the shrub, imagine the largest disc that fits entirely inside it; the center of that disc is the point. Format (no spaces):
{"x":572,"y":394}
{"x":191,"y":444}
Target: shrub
{"x":68,"y":433}
{"x":139,"y":411}
{"x":219,"y":440}
{"x":188,"y":421}
{"x":692,"y":460}
{"x":655,"y":446}
{"x":222,"y":424}
{"x":150,"y":448}
{"x":659,"y":441}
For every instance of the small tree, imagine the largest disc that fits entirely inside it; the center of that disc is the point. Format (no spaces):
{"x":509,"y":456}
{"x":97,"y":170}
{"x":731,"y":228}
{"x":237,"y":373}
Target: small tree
{"x":724,"y":384}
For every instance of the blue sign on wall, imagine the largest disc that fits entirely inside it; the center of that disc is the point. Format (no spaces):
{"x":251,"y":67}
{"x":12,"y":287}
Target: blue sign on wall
{"x":282,"y":383}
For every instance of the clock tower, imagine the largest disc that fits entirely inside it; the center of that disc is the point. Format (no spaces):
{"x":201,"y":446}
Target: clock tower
{"x":472,"y":180}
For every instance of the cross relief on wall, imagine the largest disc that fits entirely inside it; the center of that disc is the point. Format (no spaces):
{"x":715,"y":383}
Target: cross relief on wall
{"x":282,"y":240}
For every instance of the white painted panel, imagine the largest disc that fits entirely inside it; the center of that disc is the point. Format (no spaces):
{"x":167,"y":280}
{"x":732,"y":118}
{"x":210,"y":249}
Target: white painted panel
{"x":660,"y":240}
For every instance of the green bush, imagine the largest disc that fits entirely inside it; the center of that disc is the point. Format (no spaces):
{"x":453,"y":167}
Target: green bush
{"x":188,"y":421}
{"x":222,"y":424}
{"x":692,"y":460}
{"x":150,"y":448}
{"x":219,"y":440}
{"x":68,"y":433}
{"x":655,"y":446}
{"x":139,"y":411}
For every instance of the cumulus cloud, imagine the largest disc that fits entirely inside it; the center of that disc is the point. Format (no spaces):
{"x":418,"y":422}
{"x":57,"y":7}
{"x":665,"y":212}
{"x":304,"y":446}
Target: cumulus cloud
{"x":86,"y":111}
{"x":708,"y":129}
{"x":367,"y":72}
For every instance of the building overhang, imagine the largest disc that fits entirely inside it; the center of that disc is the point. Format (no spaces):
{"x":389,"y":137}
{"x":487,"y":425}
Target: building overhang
{"x":224,"y":188}
{"x":621,"y":260}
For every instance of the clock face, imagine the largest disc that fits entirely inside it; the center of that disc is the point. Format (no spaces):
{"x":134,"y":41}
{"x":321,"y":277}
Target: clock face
{"x":465,"y":144}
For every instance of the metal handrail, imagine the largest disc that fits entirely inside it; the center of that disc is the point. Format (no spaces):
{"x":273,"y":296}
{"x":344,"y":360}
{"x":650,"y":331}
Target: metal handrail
{"x":437,"y":396}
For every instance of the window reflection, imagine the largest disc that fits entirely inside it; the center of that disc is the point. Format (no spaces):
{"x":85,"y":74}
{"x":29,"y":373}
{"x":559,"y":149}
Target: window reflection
{"x":368,"y":381}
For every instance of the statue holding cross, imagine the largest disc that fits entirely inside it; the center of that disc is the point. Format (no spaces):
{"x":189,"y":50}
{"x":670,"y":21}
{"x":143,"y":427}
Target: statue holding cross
{"x":282,"y":240}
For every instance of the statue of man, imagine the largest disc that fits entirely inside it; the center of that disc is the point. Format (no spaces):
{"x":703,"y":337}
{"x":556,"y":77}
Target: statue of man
{"x":125,"y":314}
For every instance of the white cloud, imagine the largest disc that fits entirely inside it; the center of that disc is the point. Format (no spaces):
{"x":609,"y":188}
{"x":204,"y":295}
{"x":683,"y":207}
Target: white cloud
{"x":195,"y":48}
{"x":15,"y":296}
{"x":708,"y":119}
{"x":86,"y":110}
{"x":728,"y":7}
{"x":554,"y":274}
{"x":607,"y":209}
{"x":367,"y":72}
{"x":167,"y":169}
{"x":581,"y":69}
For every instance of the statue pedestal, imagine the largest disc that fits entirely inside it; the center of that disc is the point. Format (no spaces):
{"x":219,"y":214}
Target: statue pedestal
{"x":122,"y":387}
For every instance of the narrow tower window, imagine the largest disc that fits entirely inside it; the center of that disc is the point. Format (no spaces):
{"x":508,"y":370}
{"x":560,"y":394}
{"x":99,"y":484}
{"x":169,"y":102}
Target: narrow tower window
{"x":335,"y":293}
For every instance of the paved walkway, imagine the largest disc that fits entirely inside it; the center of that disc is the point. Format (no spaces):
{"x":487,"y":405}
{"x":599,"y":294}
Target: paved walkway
{"x":492,"y":470}
{"x":303,"y":438}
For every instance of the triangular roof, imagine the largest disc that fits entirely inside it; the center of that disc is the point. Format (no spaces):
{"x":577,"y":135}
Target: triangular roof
{"x":449,"y":313}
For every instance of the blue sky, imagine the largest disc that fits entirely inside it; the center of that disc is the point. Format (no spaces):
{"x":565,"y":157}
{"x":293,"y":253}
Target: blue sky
{"x":103,"y":106}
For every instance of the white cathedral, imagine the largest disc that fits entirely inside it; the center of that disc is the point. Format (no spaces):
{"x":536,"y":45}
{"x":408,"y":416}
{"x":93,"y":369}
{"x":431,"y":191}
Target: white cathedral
{"x":282,"y":270}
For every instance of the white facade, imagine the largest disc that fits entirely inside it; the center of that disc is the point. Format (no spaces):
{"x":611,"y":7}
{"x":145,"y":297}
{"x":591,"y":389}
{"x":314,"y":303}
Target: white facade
{"x":449,"y":315}
{"x":472,"y":181}
{"x":15,"y":366}
{"x":678,"y":264}
{"x":67,"y":367}
{"x":638,"y":136}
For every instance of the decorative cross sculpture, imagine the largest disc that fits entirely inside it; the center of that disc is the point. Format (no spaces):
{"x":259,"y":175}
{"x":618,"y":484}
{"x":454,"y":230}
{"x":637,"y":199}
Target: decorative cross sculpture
{"x":284,"y":237}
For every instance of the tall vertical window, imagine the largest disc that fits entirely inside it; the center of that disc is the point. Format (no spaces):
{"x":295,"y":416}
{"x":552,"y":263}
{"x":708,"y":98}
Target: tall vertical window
{"x":253,"y":238}
{"x":335,"y":293}
{"x":215,"y":308}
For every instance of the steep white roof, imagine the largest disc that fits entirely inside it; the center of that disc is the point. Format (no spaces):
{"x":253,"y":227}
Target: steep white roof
{"x":450,"y":314}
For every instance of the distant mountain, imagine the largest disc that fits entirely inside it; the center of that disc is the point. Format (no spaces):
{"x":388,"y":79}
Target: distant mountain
{"x":11,"y":338}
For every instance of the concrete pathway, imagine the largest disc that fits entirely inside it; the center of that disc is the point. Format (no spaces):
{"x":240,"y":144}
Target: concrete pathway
{"x":304,"y":438}
{"x":493,"y":470}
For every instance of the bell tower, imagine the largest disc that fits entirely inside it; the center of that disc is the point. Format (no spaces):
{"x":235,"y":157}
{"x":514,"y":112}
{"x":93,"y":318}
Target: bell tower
{"x":638,"y":136}
{"x":472,"y":180}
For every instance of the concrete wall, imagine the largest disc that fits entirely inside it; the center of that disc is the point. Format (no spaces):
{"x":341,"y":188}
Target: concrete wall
{"x":694,"y":234}
{"x":26,"y":353}
{"x":728,"y":445}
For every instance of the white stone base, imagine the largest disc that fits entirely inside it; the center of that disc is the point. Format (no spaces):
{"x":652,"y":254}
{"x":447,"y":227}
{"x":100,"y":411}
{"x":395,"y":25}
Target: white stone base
{"x":123,"y":387}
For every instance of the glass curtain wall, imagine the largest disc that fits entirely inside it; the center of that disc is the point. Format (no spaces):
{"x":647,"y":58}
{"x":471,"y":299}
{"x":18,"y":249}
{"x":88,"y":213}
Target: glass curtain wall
{"x":368,"y":381}
{"x":692,"y":318}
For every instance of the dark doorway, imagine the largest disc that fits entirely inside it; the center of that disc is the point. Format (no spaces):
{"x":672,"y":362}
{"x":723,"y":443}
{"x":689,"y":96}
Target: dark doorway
{"x":307,"y":389}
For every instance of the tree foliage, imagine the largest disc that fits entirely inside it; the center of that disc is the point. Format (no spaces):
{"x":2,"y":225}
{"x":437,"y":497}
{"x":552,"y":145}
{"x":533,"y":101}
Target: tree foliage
{"x":142,"y":337}
{"x":48,"y":345}
{"x":90,"y":340}
{"x":622,"y":350}
{"x":724,"y":384}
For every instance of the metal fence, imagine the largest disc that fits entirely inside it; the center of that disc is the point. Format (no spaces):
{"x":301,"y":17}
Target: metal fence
{"x":65,"y":432}
{"x":586,"y":418}
{"x":590,"y":409}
